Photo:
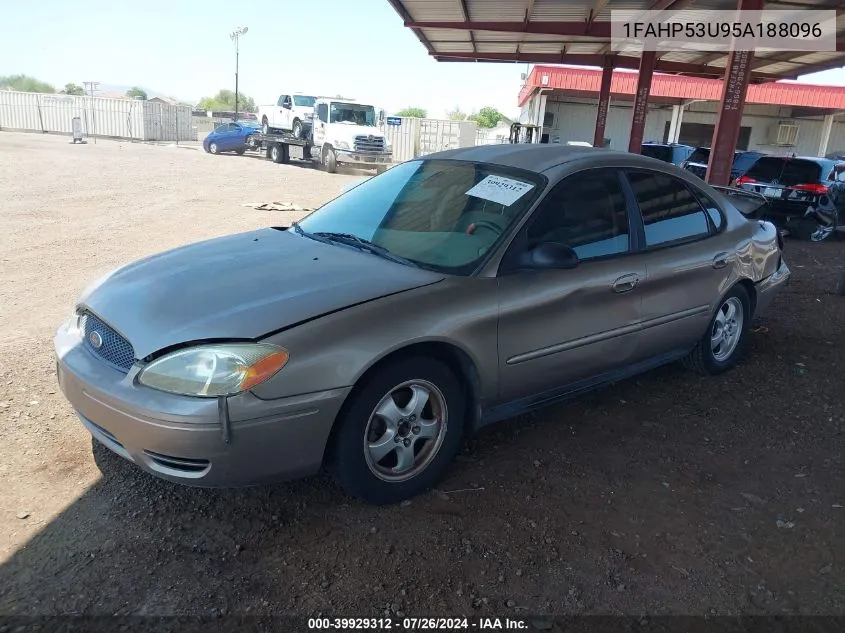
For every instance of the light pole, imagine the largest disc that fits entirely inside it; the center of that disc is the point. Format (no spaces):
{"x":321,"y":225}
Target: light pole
{"x":235,"y":36}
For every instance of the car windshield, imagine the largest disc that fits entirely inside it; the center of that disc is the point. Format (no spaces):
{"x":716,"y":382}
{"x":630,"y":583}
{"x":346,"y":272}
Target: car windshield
{"x":744,"y":161}
{"x":303,"y":101}
{"x":443,"y":215}
{"x":787,"y":171}
{"x":352,"y":113}
{"x":700,"y":155}
{"x":660,"y":152}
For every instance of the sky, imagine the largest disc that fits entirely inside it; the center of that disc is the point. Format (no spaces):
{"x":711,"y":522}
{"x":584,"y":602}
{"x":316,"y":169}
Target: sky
{"x":357,"y":48}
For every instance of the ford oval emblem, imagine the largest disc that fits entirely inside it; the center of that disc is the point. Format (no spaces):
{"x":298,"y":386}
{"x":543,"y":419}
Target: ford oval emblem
{"x":96,"y":340}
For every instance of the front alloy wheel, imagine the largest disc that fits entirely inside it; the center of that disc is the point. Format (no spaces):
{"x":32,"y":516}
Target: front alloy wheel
{"x":399,"y":431}
{"x":213,"y":149}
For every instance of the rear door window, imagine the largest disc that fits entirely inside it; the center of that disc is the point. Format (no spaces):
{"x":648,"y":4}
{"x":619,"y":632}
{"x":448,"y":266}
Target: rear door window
{"x":670,"y":212}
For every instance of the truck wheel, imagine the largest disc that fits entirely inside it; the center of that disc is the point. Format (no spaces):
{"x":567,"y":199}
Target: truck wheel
{"x":330,"y":160}
{"x":265,"y":125}
{"x":297,"y":128}
{"x":279,"y":153}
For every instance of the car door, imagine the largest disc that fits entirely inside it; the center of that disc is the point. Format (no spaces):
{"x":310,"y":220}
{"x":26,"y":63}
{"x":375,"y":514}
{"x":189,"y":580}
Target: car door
{"x":559,"y":327}
{"x":319,"y":127}
{"x":230,"y":138}
{"x":285,"y":118}
{"x":688,"y":260}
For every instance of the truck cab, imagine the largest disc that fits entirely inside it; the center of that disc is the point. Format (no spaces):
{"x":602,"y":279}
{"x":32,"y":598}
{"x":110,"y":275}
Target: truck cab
{"x":349,"y":133}
{"x":292,"y":112}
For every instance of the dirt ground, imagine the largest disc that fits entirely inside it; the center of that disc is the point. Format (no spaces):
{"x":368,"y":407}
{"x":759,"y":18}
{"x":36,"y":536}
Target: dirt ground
{"x":666,"y":494}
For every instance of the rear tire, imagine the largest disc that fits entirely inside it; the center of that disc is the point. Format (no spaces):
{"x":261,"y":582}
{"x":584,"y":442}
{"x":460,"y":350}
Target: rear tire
{"x":297,"y":128}
{"x":265,"y":125}
{"x":240,"y":152}
{"x":723,"y":344}
{"x":427,"y":435}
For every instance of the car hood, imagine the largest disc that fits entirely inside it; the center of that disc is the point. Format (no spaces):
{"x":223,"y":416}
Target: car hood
{"x":241,"y":286}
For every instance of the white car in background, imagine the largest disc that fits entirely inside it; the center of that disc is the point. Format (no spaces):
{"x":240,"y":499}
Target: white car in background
{"x":292,"y":112}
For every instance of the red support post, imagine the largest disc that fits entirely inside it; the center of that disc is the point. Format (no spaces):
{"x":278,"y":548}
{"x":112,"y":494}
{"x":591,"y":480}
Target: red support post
{"x":641,"y":101}
{"x":604,"y":104}
{"x":734,"y":91}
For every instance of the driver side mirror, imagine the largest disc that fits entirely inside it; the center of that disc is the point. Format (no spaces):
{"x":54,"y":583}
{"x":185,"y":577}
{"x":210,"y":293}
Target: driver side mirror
{"x":549,"y":255}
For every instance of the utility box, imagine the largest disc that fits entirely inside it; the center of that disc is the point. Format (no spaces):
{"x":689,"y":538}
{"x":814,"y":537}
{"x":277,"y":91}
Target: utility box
{"x":76,"y":129}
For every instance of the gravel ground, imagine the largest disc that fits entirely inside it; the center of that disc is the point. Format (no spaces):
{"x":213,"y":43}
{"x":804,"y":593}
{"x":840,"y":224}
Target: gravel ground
{"x":666,"y":494}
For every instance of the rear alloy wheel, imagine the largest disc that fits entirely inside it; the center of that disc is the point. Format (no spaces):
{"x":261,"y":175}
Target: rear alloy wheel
{"x":213,"y":149}
{"x":399,"y":431}
{"x":722,"y":345}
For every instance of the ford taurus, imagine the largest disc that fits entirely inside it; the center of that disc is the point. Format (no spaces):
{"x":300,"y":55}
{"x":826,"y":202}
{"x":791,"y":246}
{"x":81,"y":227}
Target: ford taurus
{"x":446,"y":294}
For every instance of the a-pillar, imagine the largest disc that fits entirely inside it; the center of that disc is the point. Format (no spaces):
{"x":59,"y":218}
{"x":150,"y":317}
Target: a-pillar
{"x":647,"y":60}
{"x":734,"y":90}
{"x":827,"y":126}
{"x":604,"y":103}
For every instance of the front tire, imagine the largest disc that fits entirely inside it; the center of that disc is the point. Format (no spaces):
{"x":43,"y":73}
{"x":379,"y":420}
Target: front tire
{"x":213,"y":149}
{"x":722,"y":346}
{"x":330,"y":160}
{"x":399,"y":431}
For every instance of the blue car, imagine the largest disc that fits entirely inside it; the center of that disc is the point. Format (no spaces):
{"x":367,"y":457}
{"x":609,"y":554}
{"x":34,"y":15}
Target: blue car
{"x":230,"y":137}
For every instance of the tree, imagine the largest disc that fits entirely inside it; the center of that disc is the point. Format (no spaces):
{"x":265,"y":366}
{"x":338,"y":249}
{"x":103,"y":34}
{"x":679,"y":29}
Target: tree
{"x":224,"y":101}
{"x":457,"y":114}
{"x":413,"y":112}
{"x":73,"y":89}
{"x":136,"y":92}
{"x":25,"y":83}
{"x":486,"y":117}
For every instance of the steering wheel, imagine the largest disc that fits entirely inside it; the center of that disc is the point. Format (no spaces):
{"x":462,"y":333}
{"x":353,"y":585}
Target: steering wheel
{"x":484,"y":224}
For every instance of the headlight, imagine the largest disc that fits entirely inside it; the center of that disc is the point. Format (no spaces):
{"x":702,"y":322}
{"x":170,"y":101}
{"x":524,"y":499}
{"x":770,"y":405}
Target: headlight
{"x":214,"y":370}
{"x":342,"y":145}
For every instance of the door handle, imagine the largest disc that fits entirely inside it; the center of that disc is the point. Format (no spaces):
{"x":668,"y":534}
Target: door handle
{"x":720,"y":261}
{"x":626,"y":283}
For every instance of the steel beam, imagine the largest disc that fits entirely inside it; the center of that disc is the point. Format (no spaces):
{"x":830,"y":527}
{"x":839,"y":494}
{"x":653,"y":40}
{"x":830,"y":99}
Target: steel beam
{"x":640,"y":111}
{"x":604,"y":104}
{"x":621,"y":61}
{"x":734,"y":91}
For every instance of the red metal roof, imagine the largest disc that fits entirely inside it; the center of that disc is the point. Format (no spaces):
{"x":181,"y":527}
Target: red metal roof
{"x":588,"y":80}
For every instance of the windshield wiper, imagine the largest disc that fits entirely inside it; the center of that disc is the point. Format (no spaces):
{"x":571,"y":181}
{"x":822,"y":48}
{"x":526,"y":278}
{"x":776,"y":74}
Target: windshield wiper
{"x":363,"y":244}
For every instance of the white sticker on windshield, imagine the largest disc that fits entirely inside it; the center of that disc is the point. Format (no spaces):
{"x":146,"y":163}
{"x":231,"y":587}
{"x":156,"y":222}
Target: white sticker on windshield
{"x":499,"y":189}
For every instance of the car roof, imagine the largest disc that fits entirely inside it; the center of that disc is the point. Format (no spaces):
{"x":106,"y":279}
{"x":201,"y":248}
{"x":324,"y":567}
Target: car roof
{"x":539,"y":157}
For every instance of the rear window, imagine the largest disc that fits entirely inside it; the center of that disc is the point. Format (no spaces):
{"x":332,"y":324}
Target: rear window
{"x":743,"y":162}
{"x":660,"y":152}
{"x":787,"y":171}
{"x":700,"y":155}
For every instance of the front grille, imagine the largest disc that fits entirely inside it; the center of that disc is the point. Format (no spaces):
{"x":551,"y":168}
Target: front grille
{"x":374,"y":144}
{"x":114,"y":349}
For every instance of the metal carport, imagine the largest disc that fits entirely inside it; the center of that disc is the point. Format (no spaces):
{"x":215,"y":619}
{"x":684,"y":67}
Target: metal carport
{"x":578,"y":32}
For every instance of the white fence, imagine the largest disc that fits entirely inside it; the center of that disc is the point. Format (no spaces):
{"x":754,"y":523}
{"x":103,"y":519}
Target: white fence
{"x":112,"y":118}
{"x":418,"y":137}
